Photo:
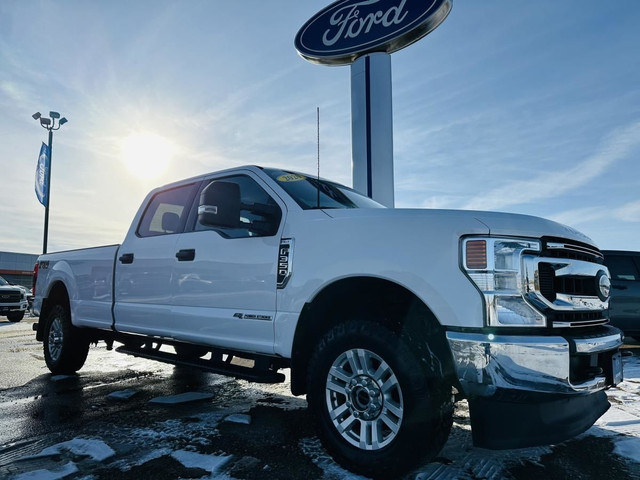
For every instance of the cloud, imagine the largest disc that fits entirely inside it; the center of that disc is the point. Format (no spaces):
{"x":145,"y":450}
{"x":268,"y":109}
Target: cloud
{"x":629,"y":212}
{"x":581,"y":215}
{"x":553,"y":184}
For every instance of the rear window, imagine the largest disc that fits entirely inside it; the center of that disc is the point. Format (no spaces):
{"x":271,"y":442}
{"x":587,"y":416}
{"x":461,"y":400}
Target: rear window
{"x":167,"y":212}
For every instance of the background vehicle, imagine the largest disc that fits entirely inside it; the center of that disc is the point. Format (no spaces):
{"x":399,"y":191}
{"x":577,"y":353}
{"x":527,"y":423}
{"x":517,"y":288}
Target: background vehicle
{"x":13,"y":300}
{"x":624,"y":305}
{"x":380,"y":313}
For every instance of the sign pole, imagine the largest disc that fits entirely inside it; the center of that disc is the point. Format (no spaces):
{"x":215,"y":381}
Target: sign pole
{"x":48,"y":190}
{"x":363,"y":34}
{"x":372,"y":127}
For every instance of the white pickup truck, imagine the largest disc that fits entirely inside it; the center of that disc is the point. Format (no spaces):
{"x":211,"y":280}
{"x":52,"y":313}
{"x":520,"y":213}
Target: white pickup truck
{"x":384,"y":316}
{"x":14,"y":300}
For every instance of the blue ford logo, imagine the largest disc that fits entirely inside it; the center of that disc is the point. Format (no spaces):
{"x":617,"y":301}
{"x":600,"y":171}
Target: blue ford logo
{"x":346,"y":29}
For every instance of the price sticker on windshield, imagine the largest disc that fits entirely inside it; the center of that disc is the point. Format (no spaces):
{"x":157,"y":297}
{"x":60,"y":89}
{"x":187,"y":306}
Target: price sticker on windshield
{"x":291,"y":177}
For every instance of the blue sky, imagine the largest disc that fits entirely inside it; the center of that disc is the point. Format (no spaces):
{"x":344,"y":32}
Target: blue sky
{"x":510,"y":105}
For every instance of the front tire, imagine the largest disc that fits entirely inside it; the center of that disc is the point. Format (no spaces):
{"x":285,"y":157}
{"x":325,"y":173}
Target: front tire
{"x":15,"y":317}
{"x":377,"y":408}
{"x":65,"y":349}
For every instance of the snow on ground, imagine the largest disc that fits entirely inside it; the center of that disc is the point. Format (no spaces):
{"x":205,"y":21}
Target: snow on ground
{"x":239,"y":418}
{"x":210,"y":463}
{"x":122,"y":394}
{"x":622,"y":422}
{"x":83,"y":447}
{"x":49,"y":474}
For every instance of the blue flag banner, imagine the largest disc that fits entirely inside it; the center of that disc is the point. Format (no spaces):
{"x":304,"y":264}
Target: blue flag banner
{"x":42,"y":172}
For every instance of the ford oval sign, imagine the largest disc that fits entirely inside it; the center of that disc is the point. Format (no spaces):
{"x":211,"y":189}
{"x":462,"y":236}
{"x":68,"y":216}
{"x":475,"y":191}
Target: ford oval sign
{"x":348,"y":29}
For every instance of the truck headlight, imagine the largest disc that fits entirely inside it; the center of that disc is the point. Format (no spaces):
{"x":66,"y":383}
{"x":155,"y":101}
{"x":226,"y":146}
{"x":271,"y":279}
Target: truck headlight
{"x":495,"y":266}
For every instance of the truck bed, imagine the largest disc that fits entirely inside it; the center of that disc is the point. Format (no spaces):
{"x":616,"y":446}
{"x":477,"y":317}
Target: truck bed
{"x":88,"y":274}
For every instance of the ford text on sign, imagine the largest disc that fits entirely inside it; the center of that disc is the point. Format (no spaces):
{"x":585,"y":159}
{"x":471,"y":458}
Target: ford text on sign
{"x":347,"y":29}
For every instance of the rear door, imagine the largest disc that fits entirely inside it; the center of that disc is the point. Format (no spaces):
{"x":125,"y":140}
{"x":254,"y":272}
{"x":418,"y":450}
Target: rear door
{"x":225,"y":283}
{"x":145,"y":263}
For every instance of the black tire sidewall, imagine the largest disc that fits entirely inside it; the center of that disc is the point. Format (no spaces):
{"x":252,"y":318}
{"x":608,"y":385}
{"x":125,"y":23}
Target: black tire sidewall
{"x":15,"y":318}
{"x":422,"y":400}
{"x":74,"y":349}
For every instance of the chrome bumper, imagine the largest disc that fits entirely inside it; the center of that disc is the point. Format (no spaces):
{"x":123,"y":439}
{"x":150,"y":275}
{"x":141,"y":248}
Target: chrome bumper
{"x":486,"y":363}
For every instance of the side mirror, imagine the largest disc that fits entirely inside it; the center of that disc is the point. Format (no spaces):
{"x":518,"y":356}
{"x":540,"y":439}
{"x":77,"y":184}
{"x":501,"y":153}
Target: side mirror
{"x":220,"y":205}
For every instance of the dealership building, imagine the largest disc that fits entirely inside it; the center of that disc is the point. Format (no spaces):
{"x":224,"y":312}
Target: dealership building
{"x":18,"y":267}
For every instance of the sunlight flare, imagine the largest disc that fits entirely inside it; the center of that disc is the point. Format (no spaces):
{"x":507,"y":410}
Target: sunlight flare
{"x":147,"y":155}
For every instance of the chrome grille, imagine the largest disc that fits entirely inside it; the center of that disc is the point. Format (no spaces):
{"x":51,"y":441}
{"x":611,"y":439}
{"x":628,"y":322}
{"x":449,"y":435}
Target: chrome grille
{"x":561,"y":283}
{"x":10,"y":297}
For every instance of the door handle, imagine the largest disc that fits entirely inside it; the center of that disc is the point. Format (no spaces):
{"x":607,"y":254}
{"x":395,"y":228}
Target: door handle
{"x":187,"y":255}
{"x":126,"y":258}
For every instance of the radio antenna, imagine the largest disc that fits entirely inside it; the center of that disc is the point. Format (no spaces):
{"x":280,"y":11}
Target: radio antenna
{"x":318,"y":142}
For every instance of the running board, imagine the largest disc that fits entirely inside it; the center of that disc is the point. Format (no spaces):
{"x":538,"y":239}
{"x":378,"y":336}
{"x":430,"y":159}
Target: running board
{"x":252,"y":374}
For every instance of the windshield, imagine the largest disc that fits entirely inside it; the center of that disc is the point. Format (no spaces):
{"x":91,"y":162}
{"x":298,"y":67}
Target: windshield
{"x":3,"y":282}
{"x":310,"y":193}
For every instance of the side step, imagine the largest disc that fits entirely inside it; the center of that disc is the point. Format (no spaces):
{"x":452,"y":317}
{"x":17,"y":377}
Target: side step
{"x":252,"y":374}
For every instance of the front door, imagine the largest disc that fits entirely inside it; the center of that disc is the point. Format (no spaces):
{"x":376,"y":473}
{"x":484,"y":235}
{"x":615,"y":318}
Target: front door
{"x":224,"y":284}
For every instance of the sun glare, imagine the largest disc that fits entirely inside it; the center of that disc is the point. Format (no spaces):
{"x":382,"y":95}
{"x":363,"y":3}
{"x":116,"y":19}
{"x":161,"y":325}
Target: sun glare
{"x":147,"y":155}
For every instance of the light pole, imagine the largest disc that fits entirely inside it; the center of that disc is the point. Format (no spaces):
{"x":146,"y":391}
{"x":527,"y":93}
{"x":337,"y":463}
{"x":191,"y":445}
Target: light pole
{"x":51,"y":124}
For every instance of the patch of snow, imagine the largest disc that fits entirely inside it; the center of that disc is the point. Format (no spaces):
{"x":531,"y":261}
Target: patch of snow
{"x":181,"y":398}
{"x":122,"y":394}
{"x":84,"y":447}
{"x":210,"y":463}
{"x":53,"y":474}
{"x":313,"y":449}
{"x":160,"y":452}
{"x":239,"y":418}
{"x":628,"y":447}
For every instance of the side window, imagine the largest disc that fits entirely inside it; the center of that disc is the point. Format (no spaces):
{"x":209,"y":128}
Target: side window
{"x":167,"y":211}
{"x":259,"y":214}
{"x":622,"y":268}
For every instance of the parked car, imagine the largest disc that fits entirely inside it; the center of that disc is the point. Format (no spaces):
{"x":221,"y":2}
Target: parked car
{"x":13,"y":300}
{"x":624,"y":304}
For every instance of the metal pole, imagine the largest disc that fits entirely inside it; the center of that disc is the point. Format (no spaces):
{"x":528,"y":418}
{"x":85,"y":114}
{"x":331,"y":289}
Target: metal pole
{"x":372,"y":127}
{"x":46,"y":208}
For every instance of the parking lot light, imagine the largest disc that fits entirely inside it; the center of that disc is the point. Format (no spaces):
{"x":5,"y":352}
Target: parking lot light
{"x":50,"y":124}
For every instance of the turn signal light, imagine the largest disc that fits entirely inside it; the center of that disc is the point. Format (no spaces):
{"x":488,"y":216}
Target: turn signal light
{"x":476,"y":255}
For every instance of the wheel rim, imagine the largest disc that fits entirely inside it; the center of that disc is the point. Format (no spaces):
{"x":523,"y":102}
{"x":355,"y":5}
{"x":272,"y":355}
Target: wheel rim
{"x":55,"y":339}
{"x":364,"y":399}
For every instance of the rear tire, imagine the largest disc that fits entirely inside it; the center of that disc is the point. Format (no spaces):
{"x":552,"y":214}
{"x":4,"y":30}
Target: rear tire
{"x":15,"y":317}
{"x":65,"y":349}
{"x":377,"y":409}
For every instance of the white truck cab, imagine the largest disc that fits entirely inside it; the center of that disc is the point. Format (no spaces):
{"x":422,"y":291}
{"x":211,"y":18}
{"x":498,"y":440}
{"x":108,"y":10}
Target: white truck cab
{"x":381,"y":314}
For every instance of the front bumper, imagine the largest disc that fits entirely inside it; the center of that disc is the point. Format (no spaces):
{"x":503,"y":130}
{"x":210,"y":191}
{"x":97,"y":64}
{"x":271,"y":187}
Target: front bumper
{"x":526,"y":391}
{"x":576,"y":364}
{"x":21,"y":307}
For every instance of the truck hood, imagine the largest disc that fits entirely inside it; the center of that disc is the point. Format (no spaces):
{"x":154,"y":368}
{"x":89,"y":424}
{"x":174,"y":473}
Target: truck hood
{"x":497,"y":223}
{"x":11,"y":288}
